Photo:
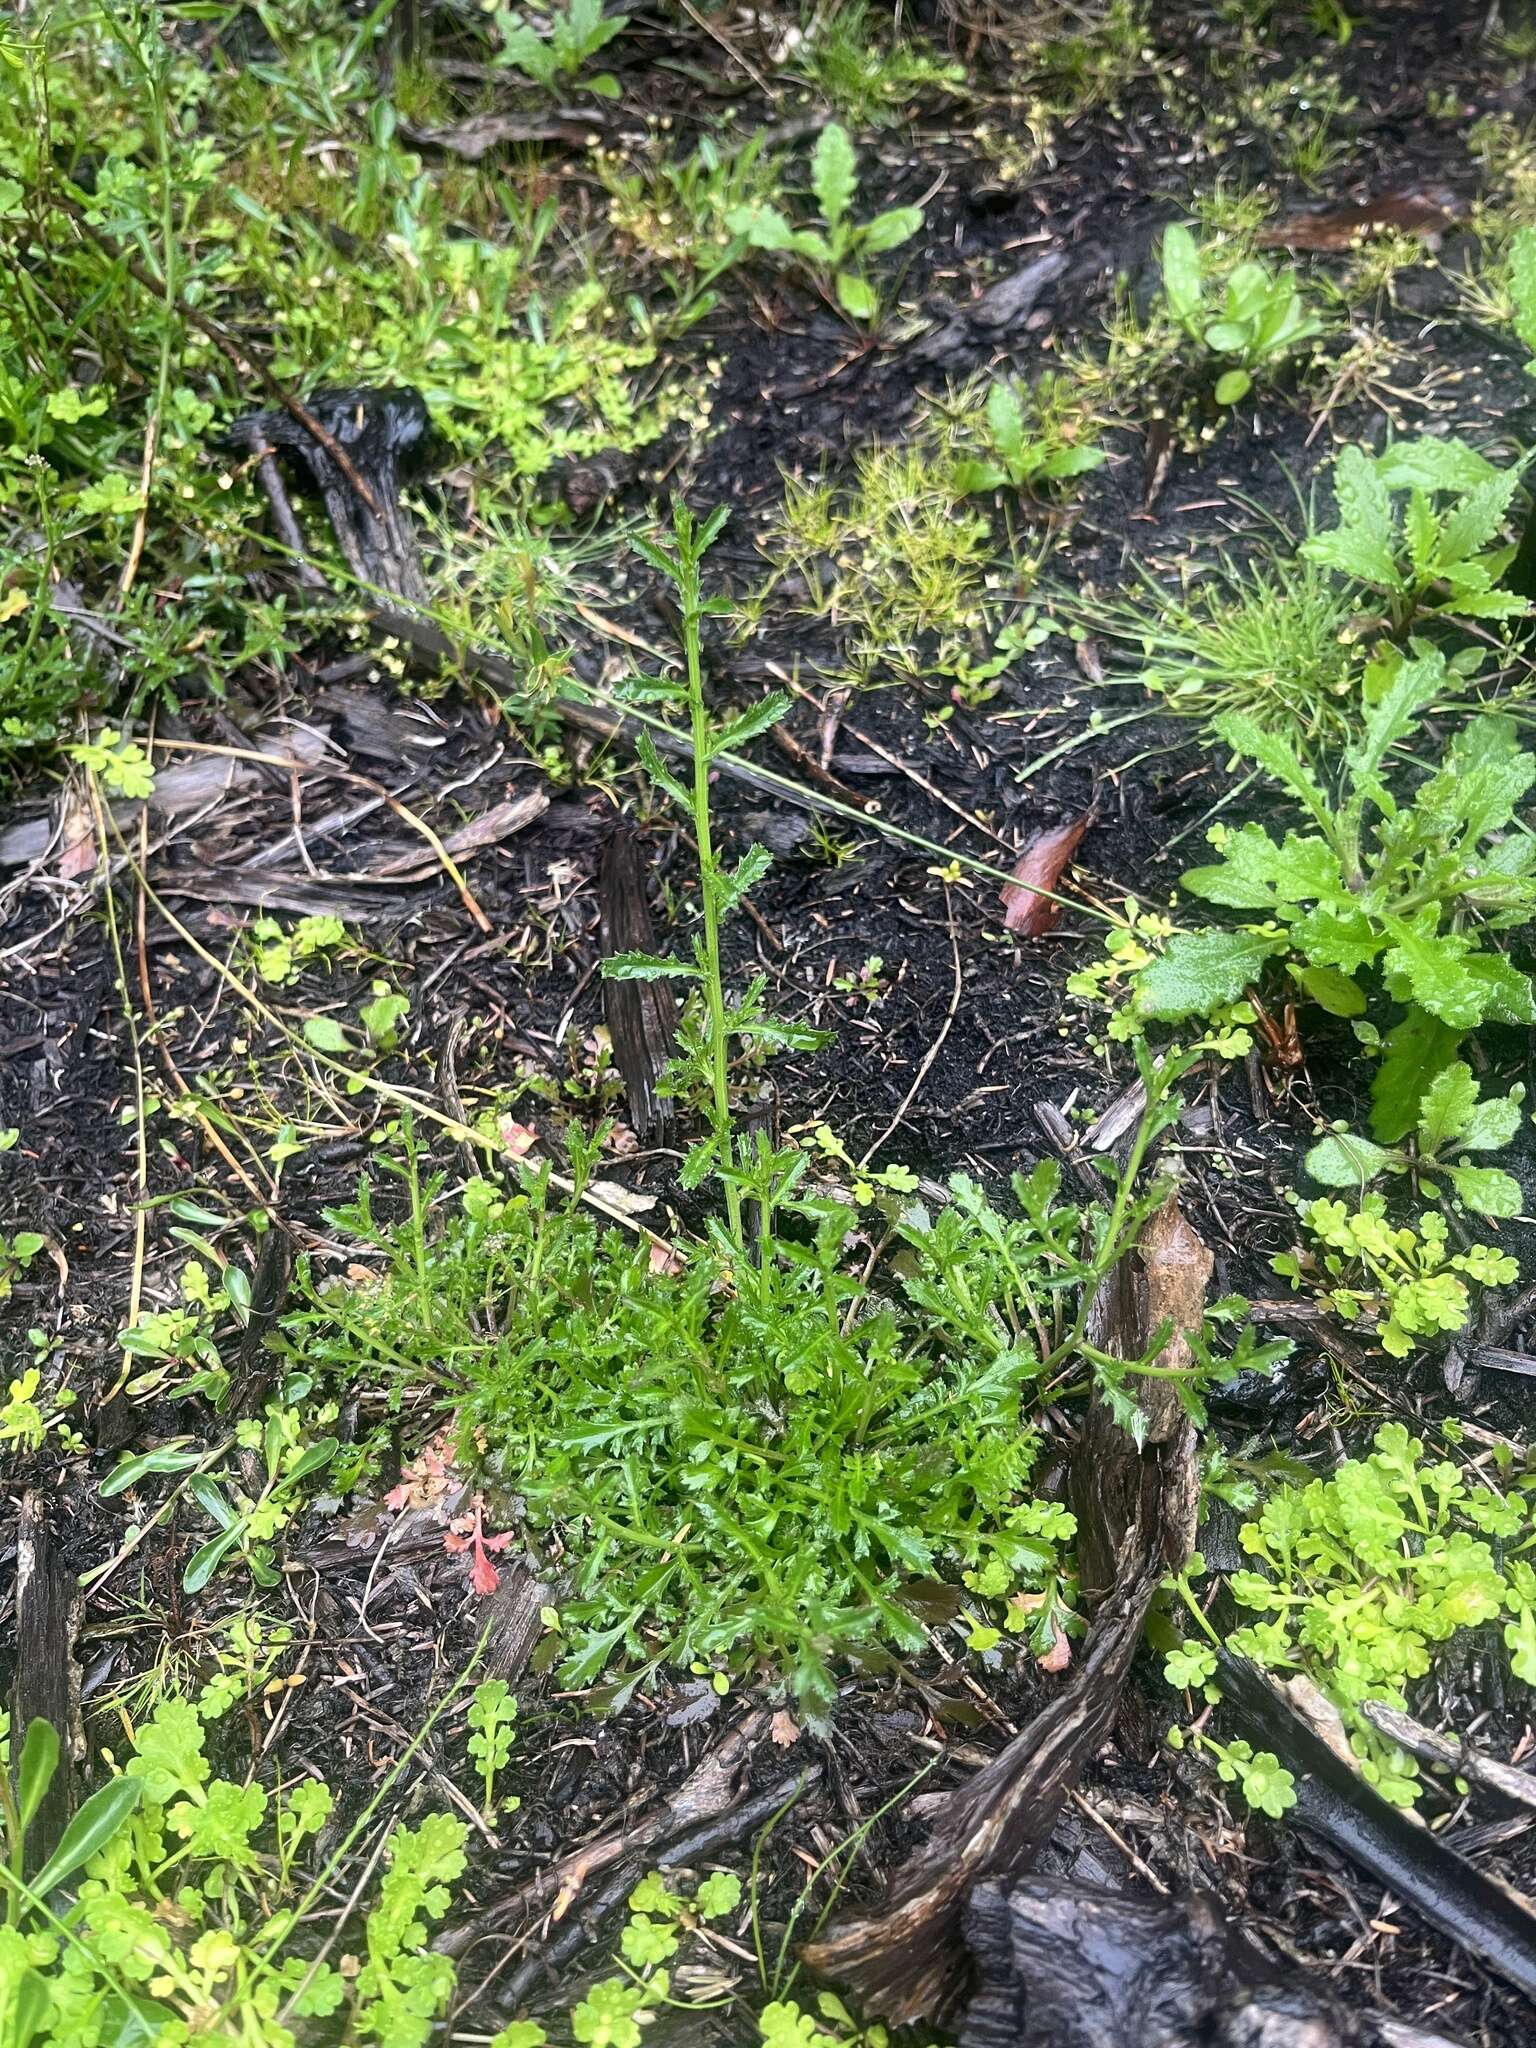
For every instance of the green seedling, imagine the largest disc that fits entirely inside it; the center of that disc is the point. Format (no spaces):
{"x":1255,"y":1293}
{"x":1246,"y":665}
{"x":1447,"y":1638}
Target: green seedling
{"x":17,"y":1253}
{"x":1030,"y":441}
{"x":1405,"y":1284}
{"x":492,"y":1723}
{"x":706,"y":1036}
{"x":1360,"y":1581}
{"x":835,"y":251}
{"x":1452,"y":1122}
{"x":1259,"y":321}
{"x":556,"y":58}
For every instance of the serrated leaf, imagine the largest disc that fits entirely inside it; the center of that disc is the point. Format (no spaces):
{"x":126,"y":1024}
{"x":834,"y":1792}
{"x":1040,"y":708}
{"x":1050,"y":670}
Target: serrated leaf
{"x":1428,"y":464}
{"x":657,"y":769}
{"x":1199,"y":971}
{"x":325,"y":1035}
{"x":1492,"y":1124}
{"x":1448,"y":1103}
{"x":749,"y":871}
{"x":1272,"y":752}
{"x":747,"y":725}
{"x":834,"y":173}
{"x":647,"y":967}
{"x":1479,"y":516}
{"x":1487,"y":1189}
{"x":1416,"y":684}
{"x":1256,"y":874}
{"x":1429,"y":965}
{"x":1346,"y":1161}
{"x":1361,"y":544}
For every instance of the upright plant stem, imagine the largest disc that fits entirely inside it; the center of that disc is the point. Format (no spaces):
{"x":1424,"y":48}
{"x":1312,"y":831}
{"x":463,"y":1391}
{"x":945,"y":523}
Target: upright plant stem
{"x":709,"y":887}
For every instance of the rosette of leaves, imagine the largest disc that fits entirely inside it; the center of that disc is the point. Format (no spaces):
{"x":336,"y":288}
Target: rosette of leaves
{"x":1417,"y":526}
{"x":834,"y":251}
{"x":1259,"y":319}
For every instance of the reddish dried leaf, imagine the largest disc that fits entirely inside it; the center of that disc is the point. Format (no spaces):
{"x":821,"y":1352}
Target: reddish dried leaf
{"x":485,"y":1578}
{"x":1040,"y":866}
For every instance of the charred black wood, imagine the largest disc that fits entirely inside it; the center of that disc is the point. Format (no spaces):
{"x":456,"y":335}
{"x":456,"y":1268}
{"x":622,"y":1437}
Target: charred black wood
{"x":1063,"y":1965}
{"x":251,"y":1380}
{"x":1487,"y":1920}
{"x":641,"y":1015}
{"x":385,"y":435}
{"x":46,"y":1686}
{"x":907,"y":1961}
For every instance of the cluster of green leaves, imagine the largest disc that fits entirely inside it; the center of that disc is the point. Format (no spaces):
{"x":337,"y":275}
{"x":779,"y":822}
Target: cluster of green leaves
{"x":1030,"y":439}
{"x":246,"y":1524}
{"x":1416,"y":527}
{"x":749,"y":1459}
{"x":1362,"y":1577}
{"x":835,"y":251}
{"x":1410,"y":890}
{"x":204,"y":176}
{"x":556,"y":56}
{"x":866,"y":73}
{"x":907,"y":576}
{"x":1404,"y":1282}
{"x":1454,"y":1119}
{"x":187,"y":1905}
{"x":1258,"y":320}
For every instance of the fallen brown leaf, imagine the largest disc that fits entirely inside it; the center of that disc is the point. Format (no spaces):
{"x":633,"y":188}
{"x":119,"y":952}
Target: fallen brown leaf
{"x":1427,"y":214}
{"x":1040,"y":866}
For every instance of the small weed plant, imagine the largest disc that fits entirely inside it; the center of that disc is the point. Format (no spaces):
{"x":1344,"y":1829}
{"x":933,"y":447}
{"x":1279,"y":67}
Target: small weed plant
{"x":1416,"y":528}
{"x":1455,"y":1119}
{"x":1030,"y":439}
{"x":1359,"y":1581}
{"x":836,"y":250}
{"x":1256,"y":321}
{"x":556,"y":55}
{"x":1406,"y":892}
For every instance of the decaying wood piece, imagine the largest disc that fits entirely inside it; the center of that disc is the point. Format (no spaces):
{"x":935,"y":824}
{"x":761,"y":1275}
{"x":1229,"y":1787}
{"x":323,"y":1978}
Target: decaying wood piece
{"x":1061,"y":1965}
{"x":1485,"y":1772}
{"x":1116,"y":1484}
{"x":370,"y":437}
{"x":641,"y":1015}
{"x":907,"y":1961}
{"x":1429,"y":215}
{"x":709,"y":1791}
{"x":46,"y":1686}
{"x":1136,"y":1518}
{"x":1485,"y":1917}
